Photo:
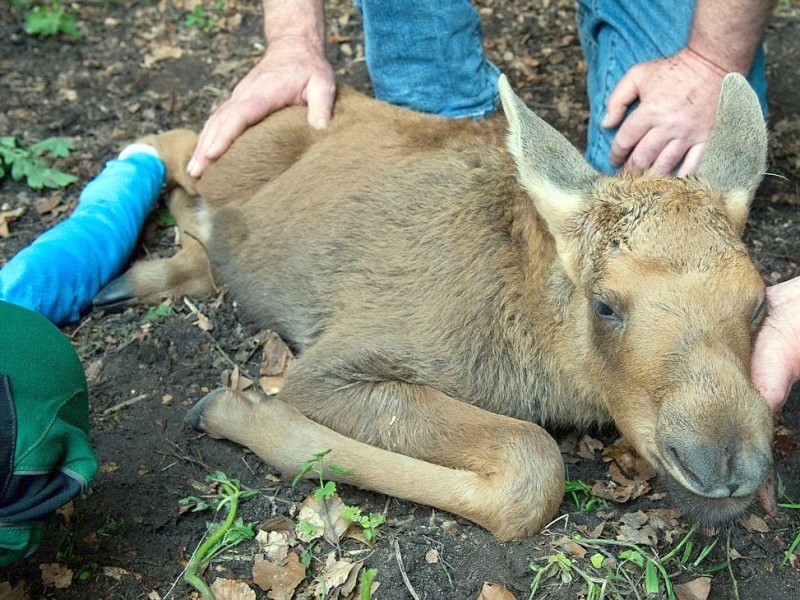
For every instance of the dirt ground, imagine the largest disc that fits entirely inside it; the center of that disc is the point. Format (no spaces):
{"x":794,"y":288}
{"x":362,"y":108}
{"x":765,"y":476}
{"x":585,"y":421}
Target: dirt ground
{"x":141,"y":68}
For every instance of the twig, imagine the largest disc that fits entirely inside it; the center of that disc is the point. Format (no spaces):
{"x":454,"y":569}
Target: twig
{"x":730,"y":566}
{"x":403,"y":573}
{"x":125,"y":404}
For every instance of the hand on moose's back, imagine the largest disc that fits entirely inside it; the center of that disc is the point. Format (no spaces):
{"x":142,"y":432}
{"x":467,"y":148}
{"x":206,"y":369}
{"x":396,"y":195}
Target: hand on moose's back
{"x":290,"y":73}
{"x":775,"y":365}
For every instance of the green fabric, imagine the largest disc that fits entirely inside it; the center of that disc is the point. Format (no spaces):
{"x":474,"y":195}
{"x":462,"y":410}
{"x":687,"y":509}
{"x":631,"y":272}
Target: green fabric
{"x":50,"y":397}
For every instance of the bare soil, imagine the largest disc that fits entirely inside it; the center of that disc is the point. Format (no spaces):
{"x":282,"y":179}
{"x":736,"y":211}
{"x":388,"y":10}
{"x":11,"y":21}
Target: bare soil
{"x":140,"y":68}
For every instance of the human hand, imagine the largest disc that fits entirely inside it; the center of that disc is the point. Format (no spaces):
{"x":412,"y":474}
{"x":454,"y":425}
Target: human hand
{"x":775,"y":363}
{"x":292,"y":72}
{"x":678,"y":98}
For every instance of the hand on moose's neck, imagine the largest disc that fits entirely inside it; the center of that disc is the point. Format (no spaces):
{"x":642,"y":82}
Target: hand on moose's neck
{"x":775,"y":365}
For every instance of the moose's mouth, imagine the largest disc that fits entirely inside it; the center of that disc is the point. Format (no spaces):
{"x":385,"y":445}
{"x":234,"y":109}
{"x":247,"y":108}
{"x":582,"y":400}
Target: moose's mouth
{"x":706,"y":510}
{"x":719,"y":487}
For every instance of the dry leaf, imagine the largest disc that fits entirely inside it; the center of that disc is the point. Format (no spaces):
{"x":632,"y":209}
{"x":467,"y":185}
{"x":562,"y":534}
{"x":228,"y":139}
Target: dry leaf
{"x":432,"y":556}
{"x":327,"y":514}
{"x":274,"y":544}
{"x":279,"y":579}
{"x":276,"y":356}
{"x":230,"y":589}
{"x":337,"y":576}
{"x":6,"y":217}
{"x":46,"y":205}
{"x":238,"y":381}
{"x":697,"y":589}
{"x":56,"y":574}
{"x":115,"y":572}
{"x":588,"y":446}
{"x":66,"y":512}
{"x":570,"y":546}
{"x":17,"y":592}
{"x":160,"y":53}
{"x":494,"y":591}
{"x":270,"y":385}
{"x":755,"y":523}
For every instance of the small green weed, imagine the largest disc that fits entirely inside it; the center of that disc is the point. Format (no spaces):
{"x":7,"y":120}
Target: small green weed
{"x":27,"y":163}
{"x":154,"y":313}
{"x":616,"y":569}
{"x":582,"y":496}
{"x":51,"y":19}
{"x":221,"y":537}
{"x":205,"y":20}
{"x":326,"y":489}
{"x":796,"y":541}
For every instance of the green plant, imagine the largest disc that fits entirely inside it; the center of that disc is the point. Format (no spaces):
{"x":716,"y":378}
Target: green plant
{"x":365,"y":586}
{"x":231,"y":532}
{"x":796,"y":541}
{"x":326,"y":489}
{"x":51,"y":19}
{"x":27,"y":163}
{"x":369,"y":523}
{"x":617,"y":568}
{"x":202,"y":19}
{"x":154,"y":313}
{"x":581,"y":494}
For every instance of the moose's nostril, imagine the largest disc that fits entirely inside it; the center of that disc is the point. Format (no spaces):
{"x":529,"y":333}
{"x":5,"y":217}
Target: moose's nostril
{"x":686,"y":471}
{"x":702,"y":468}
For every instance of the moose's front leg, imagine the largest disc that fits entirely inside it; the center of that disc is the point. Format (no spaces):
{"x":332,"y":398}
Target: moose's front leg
{"x":404,"y":440}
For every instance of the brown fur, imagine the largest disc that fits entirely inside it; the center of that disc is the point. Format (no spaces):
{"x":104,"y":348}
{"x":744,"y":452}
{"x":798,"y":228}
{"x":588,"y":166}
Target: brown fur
{"x":442,"y":293}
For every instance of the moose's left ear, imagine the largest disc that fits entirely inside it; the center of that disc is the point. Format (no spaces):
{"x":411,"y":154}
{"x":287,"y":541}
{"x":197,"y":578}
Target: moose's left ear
{"x":735,"y":157}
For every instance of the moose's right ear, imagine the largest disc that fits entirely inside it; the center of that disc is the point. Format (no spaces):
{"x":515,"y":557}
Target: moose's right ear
{"x":549,"y":167}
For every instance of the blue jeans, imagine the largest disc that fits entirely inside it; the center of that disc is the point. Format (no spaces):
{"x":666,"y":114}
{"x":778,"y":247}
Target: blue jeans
{"x":428,"y":55}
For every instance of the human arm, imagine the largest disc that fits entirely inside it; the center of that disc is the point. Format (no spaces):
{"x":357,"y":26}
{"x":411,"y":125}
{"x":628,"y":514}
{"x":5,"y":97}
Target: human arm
{"x":293,"y":71}
{"x":775,"y":364}
{"x":678,"y":94}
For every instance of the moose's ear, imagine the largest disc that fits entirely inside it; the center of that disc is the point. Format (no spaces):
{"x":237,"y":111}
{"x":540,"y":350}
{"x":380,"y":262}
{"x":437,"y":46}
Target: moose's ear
{"x":736,"y":152}
{"x":551,"y":170}
{"x":549,"y":167}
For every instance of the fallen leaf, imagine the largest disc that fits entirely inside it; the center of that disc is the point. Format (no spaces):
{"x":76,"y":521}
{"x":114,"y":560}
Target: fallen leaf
{"x":46,"y":205}
{"x":160,"y":53}
{"x":17,"y":592}
{"x":696,"y":589}
{"x":115,"y":572}
{"x":570,"y":546}
{"x":337,"y":576}
{"x":432,"y":556}
{"x":276,"y":356}
{"x":270,"y":385}
{"x":755,"y":523}
{"x":329,"y":511}
{"x":494,"y":591}
{"x":230,"y":589}
{"x":274,"y":544}
{"x":56,"y":574}
{"x":588,"y":446}
{"x":6,"y":217}
{"x":279,"y":579}
{"x":66,"y":512}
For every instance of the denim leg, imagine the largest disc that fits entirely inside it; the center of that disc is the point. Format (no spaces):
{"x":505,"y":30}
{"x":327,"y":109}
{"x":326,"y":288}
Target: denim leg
{"x":427,"y":55}
{"x":618,"y":34}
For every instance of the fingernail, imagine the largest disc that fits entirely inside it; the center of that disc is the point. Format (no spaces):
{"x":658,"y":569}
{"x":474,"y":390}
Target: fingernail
{"x":321,"y":123}
{"x":193,"y":168}
{"x":606,"y":122}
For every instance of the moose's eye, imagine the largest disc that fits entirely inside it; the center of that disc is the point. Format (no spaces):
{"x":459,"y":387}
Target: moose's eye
{"x":759,"y":314}
{"x":603,"y":310}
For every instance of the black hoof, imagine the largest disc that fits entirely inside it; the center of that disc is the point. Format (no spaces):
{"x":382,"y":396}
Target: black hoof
{"x":115,"y":296}
{"x":194,"y":418}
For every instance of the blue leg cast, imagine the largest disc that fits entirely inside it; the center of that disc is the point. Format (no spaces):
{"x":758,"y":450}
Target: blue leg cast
{"x":61,"y":271}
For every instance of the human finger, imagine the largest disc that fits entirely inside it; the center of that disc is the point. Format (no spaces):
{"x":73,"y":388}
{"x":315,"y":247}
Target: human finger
{"x":650,"y":148}
{"x":669,"y":158}
{"x":622,"y":96}
{"x":320,"y":96}
{"x":633,"y":129}
{"x":692,"y":160}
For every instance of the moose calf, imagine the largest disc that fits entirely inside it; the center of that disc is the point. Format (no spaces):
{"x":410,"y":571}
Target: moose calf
{"x":450,"y":295}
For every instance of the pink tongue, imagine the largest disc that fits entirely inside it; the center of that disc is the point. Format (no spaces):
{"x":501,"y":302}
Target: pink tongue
{"x":767,"y":497}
